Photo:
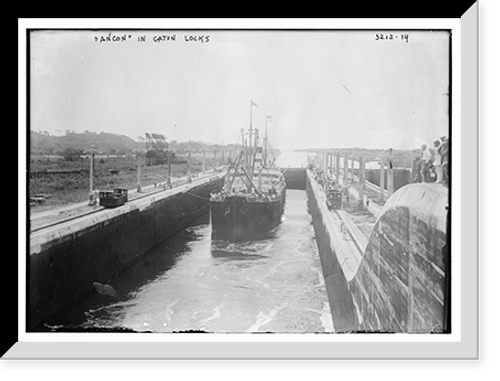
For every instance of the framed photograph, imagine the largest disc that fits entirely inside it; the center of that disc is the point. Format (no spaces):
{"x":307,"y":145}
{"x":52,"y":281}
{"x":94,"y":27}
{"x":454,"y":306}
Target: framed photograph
{"x":248,"y":189}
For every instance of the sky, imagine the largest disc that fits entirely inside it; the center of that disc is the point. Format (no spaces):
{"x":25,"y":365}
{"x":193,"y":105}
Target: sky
{"x":323,"y":89}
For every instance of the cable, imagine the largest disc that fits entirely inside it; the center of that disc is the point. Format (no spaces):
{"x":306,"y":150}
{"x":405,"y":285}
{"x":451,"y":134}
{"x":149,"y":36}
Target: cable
{"x":195,"y":195}
{"x":185,"y":214}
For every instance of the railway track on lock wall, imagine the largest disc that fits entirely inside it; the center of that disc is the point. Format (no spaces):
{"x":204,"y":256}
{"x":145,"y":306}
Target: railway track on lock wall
{"x":138,"y":196}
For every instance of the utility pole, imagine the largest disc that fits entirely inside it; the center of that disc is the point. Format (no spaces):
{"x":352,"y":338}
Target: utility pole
{"x":346,"y":170}
{"x":337,"y":167}
{"x":92,"y":198}
{"x":203,"y":164}
{"x":139,"y":154}
{"x":189,"y":162}
{"x":390,"y":175}
{"x":361,"y":188}
{"x":382,"y":180}
{"x":169,"y":152}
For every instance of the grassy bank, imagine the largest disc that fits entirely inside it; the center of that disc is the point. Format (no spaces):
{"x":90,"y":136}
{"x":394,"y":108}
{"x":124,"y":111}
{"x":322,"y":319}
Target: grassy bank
{"x":109,"y":173}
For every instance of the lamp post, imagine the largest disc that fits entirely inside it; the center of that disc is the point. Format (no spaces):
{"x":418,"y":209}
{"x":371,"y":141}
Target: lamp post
{"x":337,"y":167}
{"x":169,"y":178}
{"x":346,"y":170}
{"x":361,"y":177}
{"x":92,"y":197}
{"x":139,"y":154}
{"x":390,"y":174}
{"x":382,"y":180}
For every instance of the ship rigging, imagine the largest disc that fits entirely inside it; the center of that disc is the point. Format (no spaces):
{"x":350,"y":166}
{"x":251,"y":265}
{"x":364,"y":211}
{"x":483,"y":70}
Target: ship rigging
{"x":252,"y":200}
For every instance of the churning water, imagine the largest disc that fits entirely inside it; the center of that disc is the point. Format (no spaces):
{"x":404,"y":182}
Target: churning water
{"x":192,"y":282}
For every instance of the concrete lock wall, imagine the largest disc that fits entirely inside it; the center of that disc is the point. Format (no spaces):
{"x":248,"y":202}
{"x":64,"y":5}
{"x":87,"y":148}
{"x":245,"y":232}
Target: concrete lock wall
{"x":64,"y":264}
{"x":400,"y":282}
{"x":295,"y":178}
{"x":402,"y":177}
{"x":328,"y":239}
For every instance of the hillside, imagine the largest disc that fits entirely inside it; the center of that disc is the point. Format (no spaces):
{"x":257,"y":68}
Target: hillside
{"x":73,"y":144}
{"x":106,"y":143}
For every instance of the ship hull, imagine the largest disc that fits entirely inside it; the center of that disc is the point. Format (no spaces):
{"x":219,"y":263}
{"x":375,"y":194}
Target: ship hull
{"x":236,"y":219}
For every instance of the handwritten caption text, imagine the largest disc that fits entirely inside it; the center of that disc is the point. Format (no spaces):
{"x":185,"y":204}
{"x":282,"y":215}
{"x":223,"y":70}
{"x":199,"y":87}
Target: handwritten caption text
{"x":390,"y":36}
{"x":124,"y":37}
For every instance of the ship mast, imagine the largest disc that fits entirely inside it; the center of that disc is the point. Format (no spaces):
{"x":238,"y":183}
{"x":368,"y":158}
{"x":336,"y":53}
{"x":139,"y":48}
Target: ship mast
{"x":246,"y":159}
{"x":254,"y":151}
{"x":265,"y":144}
{"x":252,"y":146}
{"x":250,"y":129}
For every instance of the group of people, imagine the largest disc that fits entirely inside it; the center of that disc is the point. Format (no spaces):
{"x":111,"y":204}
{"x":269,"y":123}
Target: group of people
{"x":433,"y":165}
{"x":324,"y":179}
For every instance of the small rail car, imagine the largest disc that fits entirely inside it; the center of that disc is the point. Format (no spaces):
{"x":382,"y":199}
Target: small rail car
{"x":334,"y":199}
{"x":112,"y":199}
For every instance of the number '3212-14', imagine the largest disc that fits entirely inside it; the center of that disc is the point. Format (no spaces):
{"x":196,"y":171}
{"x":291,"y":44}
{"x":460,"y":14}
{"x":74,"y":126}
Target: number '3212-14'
{"x":382,"y":36}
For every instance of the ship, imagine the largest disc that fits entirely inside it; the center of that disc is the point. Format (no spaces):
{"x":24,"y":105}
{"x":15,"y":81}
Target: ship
{"x":251,"y":203}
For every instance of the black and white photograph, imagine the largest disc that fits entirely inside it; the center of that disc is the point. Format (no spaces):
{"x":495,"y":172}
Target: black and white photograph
{"x":239,"y":181}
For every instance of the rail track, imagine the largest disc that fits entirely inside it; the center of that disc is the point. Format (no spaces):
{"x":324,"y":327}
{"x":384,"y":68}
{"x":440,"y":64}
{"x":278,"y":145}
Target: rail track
{"x":136,"y":196}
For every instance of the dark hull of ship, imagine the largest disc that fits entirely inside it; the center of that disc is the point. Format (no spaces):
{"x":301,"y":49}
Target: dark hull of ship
{"x":236,"y":219}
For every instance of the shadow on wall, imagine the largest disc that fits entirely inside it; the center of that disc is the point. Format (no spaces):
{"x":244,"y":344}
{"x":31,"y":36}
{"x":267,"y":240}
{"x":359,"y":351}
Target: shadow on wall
{"x":403,"y":282}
